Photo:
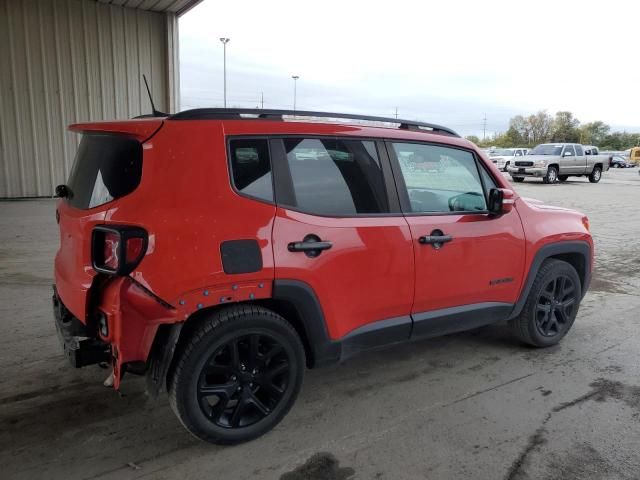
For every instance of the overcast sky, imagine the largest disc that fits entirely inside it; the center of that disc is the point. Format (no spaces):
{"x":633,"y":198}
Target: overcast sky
{"x":444,"y":62}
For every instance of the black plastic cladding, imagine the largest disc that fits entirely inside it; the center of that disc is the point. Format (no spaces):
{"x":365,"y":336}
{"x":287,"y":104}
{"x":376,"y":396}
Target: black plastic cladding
{"x":236,"y":114}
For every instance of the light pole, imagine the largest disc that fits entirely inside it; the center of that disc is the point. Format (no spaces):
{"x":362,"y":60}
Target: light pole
{"x":224,"y":46}
{"x":295,"y":82}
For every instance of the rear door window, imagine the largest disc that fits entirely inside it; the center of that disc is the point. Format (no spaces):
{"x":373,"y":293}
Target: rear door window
{"x":336,"y":177}
{"x":106,"y":167}
{"x":579,"y":151}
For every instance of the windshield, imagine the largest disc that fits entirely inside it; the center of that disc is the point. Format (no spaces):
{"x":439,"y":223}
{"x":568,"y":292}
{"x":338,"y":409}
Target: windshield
{"x":546,"y":149}
{"x":502,"y":152}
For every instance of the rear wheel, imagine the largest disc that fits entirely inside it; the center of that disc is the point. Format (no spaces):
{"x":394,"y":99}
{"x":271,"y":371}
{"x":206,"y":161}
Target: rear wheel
{"x":595,"y":175}
{"x":551,"y":176}
{"x":563,"y":178}
{"x":518,"y":179}
{"x":238,"y":375}
{"x":551,"y":307}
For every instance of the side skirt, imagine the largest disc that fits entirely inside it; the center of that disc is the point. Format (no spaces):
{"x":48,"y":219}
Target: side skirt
{"x":459,"y":319}
{"x":385,"y":333}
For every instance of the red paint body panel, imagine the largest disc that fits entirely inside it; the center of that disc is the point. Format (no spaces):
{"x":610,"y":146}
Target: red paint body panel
{"x":483,"y":249}
{"x":187,"y":205}
{"x":73,"y":272}
{"x":375,"y":270}
{"x":544,"y":225}
{"x":366,"y":276}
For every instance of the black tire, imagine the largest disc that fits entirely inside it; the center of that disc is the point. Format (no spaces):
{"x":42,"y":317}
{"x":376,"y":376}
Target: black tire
{"x":616,"y":165}
{"x":545,"y":320}
{"x":596,"y":175}
{"x":237,"y":374}
{"x":563,"y":178}
{"x":551,"y":176}
{"x":506,"y":167}
{"x":518,"y":179}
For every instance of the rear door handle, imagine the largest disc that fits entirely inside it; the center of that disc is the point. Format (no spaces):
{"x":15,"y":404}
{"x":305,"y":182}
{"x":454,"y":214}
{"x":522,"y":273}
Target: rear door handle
{"x":311,"y":246}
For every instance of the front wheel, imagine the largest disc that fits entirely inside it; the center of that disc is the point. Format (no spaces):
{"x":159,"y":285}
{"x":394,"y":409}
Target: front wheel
{"x":595,"y":175}
{"x":506,"y":167}
{"x":518,"y":179}
{"x":551,"y":176}
{"x":238,"y":374}
{"x":551,"y":307}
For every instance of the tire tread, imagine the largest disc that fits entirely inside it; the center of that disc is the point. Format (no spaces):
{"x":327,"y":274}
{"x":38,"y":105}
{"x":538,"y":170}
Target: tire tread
{"x":520,"y":325}
{"x":207,"y":325}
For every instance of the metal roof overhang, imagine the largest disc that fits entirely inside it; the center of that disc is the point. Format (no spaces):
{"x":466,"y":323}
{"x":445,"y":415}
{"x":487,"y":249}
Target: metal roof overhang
{"x":178,"y":7}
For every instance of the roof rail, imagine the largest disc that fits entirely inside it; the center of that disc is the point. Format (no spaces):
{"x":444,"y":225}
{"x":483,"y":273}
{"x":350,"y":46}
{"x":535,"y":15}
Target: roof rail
{"x":262,"y":114}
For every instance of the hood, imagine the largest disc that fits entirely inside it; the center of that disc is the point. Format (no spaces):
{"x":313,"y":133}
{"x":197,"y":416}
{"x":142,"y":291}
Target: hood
{"x":534,"y":202}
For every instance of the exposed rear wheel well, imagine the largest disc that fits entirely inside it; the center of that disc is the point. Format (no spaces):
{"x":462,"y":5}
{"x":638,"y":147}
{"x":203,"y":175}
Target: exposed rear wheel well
{"x":282,"y":308}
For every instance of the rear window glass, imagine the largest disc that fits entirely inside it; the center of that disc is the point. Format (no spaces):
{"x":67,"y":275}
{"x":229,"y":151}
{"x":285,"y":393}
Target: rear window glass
{"x":251,"y":168}
{"x":106,"y":167}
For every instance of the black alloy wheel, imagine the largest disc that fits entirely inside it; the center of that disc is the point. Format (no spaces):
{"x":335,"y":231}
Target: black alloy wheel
{"x":244,"y":380}
{"x":552,"y":305}
{"x":556,"y":303}
{"x":236,"y":373}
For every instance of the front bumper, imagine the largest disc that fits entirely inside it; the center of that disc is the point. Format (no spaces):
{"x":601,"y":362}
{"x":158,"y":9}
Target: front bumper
{"x":527,"y":171}
{"x":77,"y":344}
{"x":501,"y":164}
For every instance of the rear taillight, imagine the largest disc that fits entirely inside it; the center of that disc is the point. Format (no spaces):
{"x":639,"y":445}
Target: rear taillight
{"x":117,"y":250}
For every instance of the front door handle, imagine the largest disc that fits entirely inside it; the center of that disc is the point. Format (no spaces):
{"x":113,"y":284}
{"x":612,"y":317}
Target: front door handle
{"x":437,"y":238}
{"x":311,"y":246}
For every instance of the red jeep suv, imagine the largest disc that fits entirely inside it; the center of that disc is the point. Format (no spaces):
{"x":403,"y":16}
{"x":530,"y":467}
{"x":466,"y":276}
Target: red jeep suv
{"x":220,"y":252}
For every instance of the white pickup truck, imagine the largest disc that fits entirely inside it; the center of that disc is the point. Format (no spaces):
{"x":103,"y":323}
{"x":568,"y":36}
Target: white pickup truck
{"x":503,"y":157}
{"x":558,"y":161}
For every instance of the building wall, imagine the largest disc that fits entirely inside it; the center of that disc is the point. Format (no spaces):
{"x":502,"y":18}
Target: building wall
{"x":67,"y":61}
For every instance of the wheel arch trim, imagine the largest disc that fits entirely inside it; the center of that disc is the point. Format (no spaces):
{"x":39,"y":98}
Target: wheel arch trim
{"x":301,"y":296}
{"x":567,"y":251}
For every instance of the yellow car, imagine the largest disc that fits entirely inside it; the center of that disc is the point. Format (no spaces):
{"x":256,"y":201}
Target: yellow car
{"x":634,"y":155}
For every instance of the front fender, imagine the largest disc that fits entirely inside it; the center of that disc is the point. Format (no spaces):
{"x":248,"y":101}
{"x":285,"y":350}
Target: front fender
{"x":580,"y":251}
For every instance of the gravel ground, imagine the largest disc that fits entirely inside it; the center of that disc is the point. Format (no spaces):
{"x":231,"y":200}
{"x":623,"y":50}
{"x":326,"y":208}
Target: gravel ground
{"x":473,"y":405}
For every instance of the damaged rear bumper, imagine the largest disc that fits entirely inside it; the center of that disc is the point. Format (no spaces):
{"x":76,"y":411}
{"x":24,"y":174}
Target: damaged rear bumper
{"x":78,"y":344}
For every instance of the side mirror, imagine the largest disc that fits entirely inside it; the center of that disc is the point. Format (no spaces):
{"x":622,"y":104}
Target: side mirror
{"x":500,"y":201}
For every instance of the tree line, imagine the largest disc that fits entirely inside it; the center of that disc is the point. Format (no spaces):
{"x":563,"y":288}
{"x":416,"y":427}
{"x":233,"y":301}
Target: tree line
{"x":564,"y":127}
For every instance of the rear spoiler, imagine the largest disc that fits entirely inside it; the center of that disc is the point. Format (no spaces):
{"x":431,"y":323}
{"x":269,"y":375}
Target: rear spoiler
{"x":141,"y":129}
